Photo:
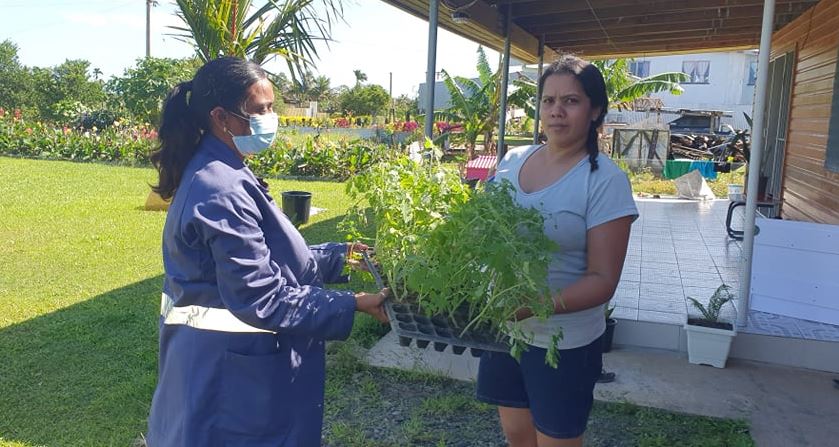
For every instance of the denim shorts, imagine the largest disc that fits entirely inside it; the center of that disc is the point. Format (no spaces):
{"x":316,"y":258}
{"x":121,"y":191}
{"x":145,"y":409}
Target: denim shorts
{"x":559,"y":399}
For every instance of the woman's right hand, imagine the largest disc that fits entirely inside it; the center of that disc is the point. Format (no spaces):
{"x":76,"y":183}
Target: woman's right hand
{"x":372,"y":303}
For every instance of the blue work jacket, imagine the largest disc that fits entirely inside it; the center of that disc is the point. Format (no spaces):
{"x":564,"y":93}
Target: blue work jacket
{"x":244,"y":314}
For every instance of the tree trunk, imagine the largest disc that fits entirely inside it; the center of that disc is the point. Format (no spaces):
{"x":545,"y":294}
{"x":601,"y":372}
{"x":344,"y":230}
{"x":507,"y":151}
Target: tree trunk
{"x":489,"y":144}
{"x":470,"y":150}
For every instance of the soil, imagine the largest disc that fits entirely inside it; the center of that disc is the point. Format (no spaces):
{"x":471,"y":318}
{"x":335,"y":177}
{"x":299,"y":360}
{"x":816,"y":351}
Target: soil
{"x":710,"y":324}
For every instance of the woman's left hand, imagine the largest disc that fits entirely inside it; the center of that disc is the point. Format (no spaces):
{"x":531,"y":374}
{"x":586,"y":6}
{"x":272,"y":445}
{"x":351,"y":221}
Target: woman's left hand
{"x":355,"y":264}
{"x":356,"y":247}
{"x":522,"y":314}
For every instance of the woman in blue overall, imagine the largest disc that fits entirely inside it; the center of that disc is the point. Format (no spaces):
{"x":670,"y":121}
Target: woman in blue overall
{"x":587,"y":204}
{"x":244,"y":312}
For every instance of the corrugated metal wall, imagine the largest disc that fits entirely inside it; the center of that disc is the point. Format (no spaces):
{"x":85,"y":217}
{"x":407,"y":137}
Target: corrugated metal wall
{"x":810,"y":192}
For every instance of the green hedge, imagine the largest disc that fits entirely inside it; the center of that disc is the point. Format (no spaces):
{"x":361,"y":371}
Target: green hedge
{"x":127,"y":144}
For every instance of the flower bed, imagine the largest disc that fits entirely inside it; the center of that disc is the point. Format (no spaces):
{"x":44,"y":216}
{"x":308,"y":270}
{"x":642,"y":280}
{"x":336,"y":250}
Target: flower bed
{"x":122,"y":143}
{"x":131,"y":144}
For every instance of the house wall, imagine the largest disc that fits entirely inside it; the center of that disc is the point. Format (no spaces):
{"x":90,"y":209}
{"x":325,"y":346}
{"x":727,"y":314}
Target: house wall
{"x":728,"y":88}
{"x":727,"y":81}
{"x":810,"y":192}
{"x":794,"y":270}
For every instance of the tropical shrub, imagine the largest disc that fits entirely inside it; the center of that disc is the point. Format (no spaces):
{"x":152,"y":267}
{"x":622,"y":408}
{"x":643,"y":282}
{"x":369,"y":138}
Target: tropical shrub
{"x":318,"y":157}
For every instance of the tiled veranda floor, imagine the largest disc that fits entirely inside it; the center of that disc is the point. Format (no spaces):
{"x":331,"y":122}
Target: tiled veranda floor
{"x":679,"y":248}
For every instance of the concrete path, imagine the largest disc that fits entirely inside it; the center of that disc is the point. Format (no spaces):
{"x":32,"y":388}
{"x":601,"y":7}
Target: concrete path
{"x":785,"y":406}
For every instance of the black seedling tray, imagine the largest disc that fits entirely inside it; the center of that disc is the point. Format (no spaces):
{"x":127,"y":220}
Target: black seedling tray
{"x":409,"y":323}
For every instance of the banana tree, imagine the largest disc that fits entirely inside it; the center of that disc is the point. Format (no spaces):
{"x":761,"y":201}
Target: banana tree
{"x":474,"y":104}
{"x":285,"y":29}
{"x":622,"y":87}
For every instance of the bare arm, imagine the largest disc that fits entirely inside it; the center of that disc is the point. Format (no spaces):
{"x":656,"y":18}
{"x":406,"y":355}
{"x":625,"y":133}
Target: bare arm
{"x":606,"y":253}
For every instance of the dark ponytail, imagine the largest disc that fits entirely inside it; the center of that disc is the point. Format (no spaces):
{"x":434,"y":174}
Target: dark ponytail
{"x":592,"y":147}
{"x":179,"y":135}
{"x":594,"y":86}
{"x":222,"y":82}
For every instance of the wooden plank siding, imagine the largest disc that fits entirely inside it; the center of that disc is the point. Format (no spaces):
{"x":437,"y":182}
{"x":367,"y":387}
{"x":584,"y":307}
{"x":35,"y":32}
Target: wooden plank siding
{"x":810,"y":192}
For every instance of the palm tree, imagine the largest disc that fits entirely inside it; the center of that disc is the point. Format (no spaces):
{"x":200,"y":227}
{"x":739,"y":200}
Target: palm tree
{"x":286,"y":29}
{"x":319,"y":88}
{"x":359,"y":76}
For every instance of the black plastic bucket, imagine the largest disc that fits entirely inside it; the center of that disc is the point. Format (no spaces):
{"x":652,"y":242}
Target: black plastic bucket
{"x":609,"y":335}
{"x":297,"y":205}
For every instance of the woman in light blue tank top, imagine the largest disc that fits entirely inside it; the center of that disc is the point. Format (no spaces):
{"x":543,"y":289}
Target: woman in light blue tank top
{"x":587,"y":204}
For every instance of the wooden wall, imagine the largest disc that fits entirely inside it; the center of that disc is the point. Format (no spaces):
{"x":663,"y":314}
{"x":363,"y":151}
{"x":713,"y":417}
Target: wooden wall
{"x":810,"y":192}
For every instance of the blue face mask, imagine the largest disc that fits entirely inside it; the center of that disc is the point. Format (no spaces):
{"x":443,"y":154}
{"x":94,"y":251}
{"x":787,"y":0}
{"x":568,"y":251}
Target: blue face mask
{"x":263,"y":130}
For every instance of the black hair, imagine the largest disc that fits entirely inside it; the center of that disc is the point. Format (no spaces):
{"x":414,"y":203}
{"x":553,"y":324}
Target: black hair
{"x":594,"y":87}
{"x":221,"y":82}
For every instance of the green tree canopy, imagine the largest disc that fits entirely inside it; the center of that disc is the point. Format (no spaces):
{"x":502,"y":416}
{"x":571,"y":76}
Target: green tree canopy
{"x":405,"y":106}
{"x":141,"y":89}
{"x":66,"y":91}
{"x":364,"y":100}
{"x":15,"y":86}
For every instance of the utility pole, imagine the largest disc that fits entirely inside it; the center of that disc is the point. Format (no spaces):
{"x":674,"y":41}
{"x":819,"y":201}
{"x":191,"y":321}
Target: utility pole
{"x":149,"y":4}
{"x":392,"y":114}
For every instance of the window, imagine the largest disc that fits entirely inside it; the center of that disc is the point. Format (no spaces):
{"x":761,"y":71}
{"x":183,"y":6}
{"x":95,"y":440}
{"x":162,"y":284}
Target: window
{"x":640,"y":69}
{"x":752,"y":73}
{"x":699,"y":72}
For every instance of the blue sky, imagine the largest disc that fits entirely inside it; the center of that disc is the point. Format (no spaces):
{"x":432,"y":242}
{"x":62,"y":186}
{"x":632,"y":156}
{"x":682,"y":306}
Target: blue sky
{"x":377,"y":39}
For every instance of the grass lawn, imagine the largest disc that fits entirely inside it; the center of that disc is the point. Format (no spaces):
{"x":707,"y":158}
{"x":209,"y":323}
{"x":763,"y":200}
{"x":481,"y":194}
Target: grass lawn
{"x":80,"y":282}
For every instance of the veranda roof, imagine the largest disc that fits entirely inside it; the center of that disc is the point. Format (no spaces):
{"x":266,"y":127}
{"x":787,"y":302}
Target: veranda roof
{"x":611,"y":28}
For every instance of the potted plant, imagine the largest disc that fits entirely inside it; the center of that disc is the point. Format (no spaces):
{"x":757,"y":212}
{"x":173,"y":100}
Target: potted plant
{"x":609,"y":335}
{"x":709,"y":339}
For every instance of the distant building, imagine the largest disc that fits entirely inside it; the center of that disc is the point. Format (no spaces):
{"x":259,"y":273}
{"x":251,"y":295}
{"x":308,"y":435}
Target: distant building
{"x":718,"y":81}
{"x":721,"y":81}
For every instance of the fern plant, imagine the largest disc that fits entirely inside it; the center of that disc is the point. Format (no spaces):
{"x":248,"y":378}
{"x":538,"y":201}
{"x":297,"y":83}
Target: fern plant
{"x":711,"y":312}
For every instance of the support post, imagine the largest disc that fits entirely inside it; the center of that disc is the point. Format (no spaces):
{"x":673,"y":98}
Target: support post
{"x":754,"y":159}
{"x":505,"y":79}
{"x":431,"y":67}
{"x":538,"y":100}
